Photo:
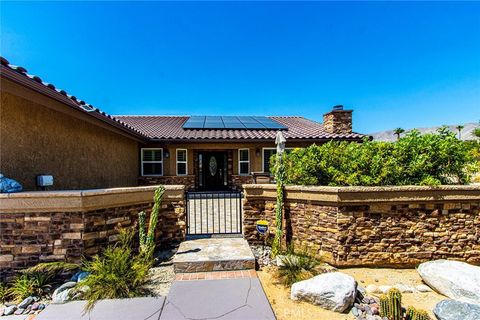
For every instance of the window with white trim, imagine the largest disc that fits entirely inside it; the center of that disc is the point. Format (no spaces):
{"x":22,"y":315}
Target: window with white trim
{"x":243,"y":161}
{"x":267,"y":154}
{"x":152,"y":161}
{"x":182,"y":168}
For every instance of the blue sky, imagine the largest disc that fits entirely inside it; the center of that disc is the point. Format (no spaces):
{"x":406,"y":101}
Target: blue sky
{"x":400,"y":64}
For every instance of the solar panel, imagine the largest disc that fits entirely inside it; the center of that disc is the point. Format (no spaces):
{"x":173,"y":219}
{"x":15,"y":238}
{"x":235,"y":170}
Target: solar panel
{"x":232,"y":122}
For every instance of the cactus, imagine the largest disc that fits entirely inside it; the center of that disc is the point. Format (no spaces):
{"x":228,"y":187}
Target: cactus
{"x":384,"y":310}
{"x":391,"y":305}
{"x":414,"y":314}
{"x":395,"y":302}
{"x":410,"y":314}
{"x":421,"y":315}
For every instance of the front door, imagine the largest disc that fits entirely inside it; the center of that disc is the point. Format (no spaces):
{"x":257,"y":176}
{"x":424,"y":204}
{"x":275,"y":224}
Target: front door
{"x":212,"y":170}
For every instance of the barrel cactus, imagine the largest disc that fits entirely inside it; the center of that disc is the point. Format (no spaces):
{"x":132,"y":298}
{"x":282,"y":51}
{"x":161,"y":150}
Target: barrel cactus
{"x":391,"y":305}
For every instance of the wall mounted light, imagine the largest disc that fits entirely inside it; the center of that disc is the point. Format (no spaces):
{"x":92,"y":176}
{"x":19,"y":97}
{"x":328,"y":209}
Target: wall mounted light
{"x":166,"y":154}
{"x":257,"y":152}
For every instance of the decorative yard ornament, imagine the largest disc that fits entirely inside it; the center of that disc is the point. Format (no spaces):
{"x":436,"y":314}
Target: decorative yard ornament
{"x":280,"y":142}
{"x":279,"y":178}
{"x":9,"y":185}
{"x":262,"y":226}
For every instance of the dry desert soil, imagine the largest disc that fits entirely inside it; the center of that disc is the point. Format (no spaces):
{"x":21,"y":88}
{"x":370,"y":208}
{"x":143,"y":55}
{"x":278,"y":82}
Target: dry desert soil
{"x":286,"y":309}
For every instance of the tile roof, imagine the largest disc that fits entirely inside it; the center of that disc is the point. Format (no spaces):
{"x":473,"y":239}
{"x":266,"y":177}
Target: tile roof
{"x":20,"y":75}
{"x":170,"y":128}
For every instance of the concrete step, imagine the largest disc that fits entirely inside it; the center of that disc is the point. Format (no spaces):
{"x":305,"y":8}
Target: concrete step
{"x":213,"y":254}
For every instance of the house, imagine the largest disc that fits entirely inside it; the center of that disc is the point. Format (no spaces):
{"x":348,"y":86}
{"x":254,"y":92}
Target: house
{"x":44,"y":130}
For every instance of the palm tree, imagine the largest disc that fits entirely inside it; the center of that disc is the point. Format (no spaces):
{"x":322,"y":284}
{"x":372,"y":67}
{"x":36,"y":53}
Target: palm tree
{"x":459,"y":128}
{"x":398,"y":132}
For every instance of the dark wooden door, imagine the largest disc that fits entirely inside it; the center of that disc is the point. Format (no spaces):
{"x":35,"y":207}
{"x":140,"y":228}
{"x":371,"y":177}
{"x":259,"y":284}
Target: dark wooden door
{"x":214,"y":170}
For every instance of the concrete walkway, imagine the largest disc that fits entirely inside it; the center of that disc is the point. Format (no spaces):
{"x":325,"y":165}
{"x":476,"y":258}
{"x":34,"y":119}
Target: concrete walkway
{"x":225,"y":299}
{"x":240,"y":297}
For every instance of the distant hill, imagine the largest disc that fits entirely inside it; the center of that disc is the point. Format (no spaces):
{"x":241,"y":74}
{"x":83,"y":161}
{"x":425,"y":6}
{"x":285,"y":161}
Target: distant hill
{"x":467,"y":132}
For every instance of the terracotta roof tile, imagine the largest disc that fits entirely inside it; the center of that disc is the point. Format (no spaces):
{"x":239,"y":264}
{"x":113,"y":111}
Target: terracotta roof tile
{"x":170,"y":128}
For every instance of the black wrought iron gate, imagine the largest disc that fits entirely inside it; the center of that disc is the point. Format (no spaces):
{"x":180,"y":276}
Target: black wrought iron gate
{"x":218,"y":212}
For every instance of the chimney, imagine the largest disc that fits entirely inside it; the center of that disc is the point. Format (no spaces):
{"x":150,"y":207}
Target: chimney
{"x":338,"y":121}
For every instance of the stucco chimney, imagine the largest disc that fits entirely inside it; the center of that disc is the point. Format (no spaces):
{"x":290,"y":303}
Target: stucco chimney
{"x":338,"y":121}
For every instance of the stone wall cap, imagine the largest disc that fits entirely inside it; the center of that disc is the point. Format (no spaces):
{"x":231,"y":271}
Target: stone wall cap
{"x":365,"y":195}
{"x":83,"y":200}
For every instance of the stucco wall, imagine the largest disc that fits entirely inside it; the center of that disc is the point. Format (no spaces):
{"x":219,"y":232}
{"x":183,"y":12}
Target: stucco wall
{"x":35,"y":139}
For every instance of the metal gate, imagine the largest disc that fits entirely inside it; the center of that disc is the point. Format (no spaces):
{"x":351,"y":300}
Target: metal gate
{"x":217,"y":212}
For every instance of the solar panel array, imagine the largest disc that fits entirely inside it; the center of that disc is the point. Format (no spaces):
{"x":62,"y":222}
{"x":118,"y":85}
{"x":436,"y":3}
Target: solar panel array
{"x":232,"y":122}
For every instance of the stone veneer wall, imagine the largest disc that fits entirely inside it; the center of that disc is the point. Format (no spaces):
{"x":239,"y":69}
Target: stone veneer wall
{"x":66,"y":225}
{"x":188,"y":181}
{"x":385,"y":226}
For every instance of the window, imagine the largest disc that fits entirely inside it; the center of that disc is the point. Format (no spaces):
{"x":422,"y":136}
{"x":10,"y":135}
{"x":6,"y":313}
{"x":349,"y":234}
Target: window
{"x":267,"y":154}
{"x":243,"y":161}
{"x":182,"y":162}
{"x":152,"y":162}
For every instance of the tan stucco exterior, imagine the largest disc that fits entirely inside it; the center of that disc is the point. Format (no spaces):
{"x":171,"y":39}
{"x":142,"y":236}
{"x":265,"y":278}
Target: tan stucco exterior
{"x":39,"y":135}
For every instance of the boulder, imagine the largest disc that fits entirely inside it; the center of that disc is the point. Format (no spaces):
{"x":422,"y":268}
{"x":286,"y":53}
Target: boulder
{"x":455,"y":310}
{"x":61,"y":294}
{"x":333,"y":291}
{"x":454,"y":279}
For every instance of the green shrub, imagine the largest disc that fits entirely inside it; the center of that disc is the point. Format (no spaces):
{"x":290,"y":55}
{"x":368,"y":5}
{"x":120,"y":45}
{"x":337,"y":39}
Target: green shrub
{"x":415,"y":159}
{"x":4,"y":292}
{"x":29,"y":284}
{"x":53,"y":267}
{"x":296,"y":268}
{"x":116,"y":273}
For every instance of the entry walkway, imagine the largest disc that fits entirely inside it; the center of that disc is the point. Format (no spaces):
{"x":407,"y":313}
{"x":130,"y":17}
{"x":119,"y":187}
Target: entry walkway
{"x":237,"y":298}
{"x":232,"y":295}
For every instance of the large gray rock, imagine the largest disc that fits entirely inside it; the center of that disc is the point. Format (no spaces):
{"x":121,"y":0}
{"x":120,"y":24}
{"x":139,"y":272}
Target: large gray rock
{"x":62,"y":293}
{"x":454,"y":279}
{"x":333,"y":291}
{"x":456,"y":310}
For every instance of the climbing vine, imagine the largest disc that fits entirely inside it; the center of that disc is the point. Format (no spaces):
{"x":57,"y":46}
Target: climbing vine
{"x":280,"y":179}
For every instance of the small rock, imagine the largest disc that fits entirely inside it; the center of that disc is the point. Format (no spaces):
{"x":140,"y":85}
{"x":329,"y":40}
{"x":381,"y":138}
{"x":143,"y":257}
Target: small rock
{"x":1,"y":312}
{"x":25,"y":302}
{"x":41,"y":306}
{"x":354,"y":311}
{"x":455,"y":310}
{"x":423,"y":288}
{"x":376,"y":280}
{"x":375,"y":310}
{"x":19,"y":311}
{"x":371,"y":288}
{"x":368,"y":310}
{"x":9,"y":310}
{"x":384,"y":289}
{"x":403,"y":288}
{"x":35,"y":306}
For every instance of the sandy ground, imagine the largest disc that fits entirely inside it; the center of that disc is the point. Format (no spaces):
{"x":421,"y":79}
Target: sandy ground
{"x":284,"y":308}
